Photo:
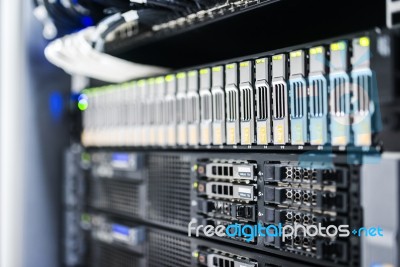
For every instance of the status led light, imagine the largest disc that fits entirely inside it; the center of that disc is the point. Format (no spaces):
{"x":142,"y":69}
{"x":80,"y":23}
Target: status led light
{"x":295,"y":53}
{"x":83,"y":104}
{"x":338,"y":46}
{"x":316,"y":50}
{"x":216,"y":69}
{"x":364,"y":41}
{"x":181,"y":75}
{"x":203,"y":71}
{"x":169,"y":78}
{"x":259,"y":61}
{"x":277,"y":57}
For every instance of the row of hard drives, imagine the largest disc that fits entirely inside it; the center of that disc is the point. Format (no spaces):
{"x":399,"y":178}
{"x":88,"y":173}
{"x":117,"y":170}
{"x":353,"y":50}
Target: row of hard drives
{"x":317,"y":96}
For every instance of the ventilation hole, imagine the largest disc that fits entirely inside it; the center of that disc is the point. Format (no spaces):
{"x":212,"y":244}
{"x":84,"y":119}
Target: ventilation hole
{"x":169,"y":189}
{"x":226,"y":171}
{"x":168,"y":250}
{"x":104,"y":255}
{"x":114,"y":195}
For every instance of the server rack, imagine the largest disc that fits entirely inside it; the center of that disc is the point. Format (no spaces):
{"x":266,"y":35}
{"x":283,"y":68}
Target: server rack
{"x":285,"y":136}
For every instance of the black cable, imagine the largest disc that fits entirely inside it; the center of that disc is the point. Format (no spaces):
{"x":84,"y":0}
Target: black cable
{"x":59,"y":14}
{"x":121,"y":5}
{"x":150,"y":17}
{"x":165,"y":5}
{"x":150,"y":12}
{"x":112,"y":23}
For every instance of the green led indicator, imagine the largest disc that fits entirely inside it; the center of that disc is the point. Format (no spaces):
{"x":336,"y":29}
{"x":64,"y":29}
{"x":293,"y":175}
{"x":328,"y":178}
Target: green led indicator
{"x":203,"y":71}
{"x":364,"y":41}
{"x":216,"y":69}
{"x":150,"y":81}
{"x":85,"y":217}
{"x":339,"y":46}
{"x":159,"y":80}
{"x":244,"y":64}
{"x":261,"y":60}
{"x":181,"y":75}
{"x":83,"y":104}
{"x":169,"y":78}
{"x":85,"y":157}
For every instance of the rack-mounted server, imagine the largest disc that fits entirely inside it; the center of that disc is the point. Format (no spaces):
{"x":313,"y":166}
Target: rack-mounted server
{"x":170,"y":190}
{"x":115,"y":242}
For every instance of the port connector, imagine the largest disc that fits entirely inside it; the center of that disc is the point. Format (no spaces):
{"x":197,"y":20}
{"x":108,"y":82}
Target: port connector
{"x":216,"y":258}
{"x":230,"y":191}
{"x":303,"y":197}
{"x":245,"y":212}
{"x":227,"y":210}
{"x":312,"y":173}
{"x":231,"y":170}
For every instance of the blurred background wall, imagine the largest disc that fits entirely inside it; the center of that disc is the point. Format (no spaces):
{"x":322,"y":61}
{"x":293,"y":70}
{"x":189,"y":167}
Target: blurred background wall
{"x":33,"y":135}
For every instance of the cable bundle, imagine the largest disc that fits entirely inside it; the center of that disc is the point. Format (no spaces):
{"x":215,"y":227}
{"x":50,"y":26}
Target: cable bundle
{"x":61,"y":17}
{"x":82,"y":52}
{"x":75,"y":55}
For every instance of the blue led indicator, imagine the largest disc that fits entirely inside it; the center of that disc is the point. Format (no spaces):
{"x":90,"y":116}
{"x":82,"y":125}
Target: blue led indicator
{"x":120,"y":157}
{"x":120,"y":229}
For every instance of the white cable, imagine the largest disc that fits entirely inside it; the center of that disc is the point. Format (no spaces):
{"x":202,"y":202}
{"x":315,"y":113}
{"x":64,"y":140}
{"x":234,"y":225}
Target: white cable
{"x":104,"y":24}
{"x":139,"y":1}
{"x":130,"y":16}
{"x":110,"y":24}
{"x":75,"y":55}
{"x":49,"y":29}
